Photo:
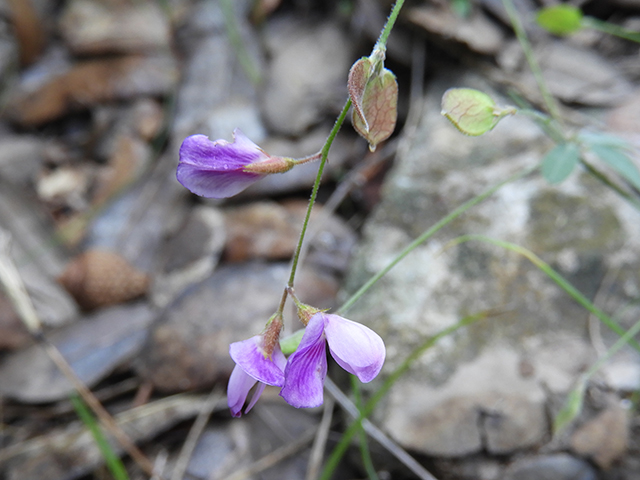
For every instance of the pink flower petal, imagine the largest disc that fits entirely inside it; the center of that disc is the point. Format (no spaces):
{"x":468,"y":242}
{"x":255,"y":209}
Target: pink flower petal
{"x":249,"y":355}
{"x":215,"y":169}
{"x":237,"y":390}
{"x":306,"y":369}
{"x":356,"y":348}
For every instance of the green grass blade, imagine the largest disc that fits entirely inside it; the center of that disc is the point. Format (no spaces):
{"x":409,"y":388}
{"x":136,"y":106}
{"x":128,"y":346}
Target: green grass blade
{"x":364,"y":446}
{"x":341,"y":448}
{"x":112,"y":460}
{"x":556,"y":277}
{"x":428,"y":234}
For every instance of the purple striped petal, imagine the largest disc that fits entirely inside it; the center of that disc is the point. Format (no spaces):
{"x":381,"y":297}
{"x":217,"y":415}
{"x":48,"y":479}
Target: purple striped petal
{"x":356,"y":348}
{"x":307,"y":368}
{"x":215,"y":169}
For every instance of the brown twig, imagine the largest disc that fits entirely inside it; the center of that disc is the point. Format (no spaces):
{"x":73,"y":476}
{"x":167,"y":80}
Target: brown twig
{"x":320,"y":443}
{"x":274,"y":457}
{"x":12,"y":283}
{"x":194,"y":434}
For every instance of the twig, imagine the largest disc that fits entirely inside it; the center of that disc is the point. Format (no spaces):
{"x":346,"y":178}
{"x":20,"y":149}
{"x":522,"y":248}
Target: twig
{"x":274,"y":457}
{"x":320,"y":443}
{"x":377,"y":434}
{"x":194,"y":434}
{"x":12,"y":282}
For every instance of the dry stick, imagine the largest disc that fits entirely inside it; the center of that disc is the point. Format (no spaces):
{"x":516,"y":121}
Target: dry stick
{"x":17,"y":292}
{"x":377,"y":434}
{"x":274,"y":457}
{"x":194,"y":434}
{"x":320,"y":443}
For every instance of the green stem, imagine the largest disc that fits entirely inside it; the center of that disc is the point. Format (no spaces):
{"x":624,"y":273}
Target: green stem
{"x":546,"y":124}
{"x":612,"y":185}
{"x":382,"y":41}
{"x":559,"y":280}
{"x":611,"y":29}
{"x":521,"y":35}
{"x":312,"y":200}
{"x":235,"y":38}
{"x":345,"y":441}
{"x":428,"y":234}
{"x":364,"y":446}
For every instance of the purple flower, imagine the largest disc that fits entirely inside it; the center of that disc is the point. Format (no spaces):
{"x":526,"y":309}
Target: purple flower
{"x":253,"y":366}
{"x":221,"y":169}
{"x":356,"y":348}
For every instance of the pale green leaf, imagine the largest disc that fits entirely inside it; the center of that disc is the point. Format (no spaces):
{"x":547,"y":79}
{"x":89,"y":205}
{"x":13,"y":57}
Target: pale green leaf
{"x":560,"y":19}
{"x":558,"y":164}
{"x":620,"y":162}
{"x":471,"y":111}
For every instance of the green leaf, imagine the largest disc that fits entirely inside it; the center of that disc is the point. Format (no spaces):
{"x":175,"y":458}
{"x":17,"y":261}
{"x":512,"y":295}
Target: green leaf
{"x":471,"y":111}
{"x":558,"y":164}
{"x":571,"y":408}
{"x":289,"y":344}
{"x":591,"y":138}
{"x":620,"y":162}
{"x":560,"y":19}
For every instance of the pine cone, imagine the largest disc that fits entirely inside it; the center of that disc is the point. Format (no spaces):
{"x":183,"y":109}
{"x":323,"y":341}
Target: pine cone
{"x":98,"y":278}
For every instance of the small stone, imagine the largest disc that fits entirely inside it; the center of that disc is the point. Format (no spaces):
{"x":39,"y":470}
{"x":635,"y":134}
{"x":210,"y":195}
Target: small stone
{"x":21,"y":158}
{"x":268,"y":230}
{"x":604,"y":438}
{"x":98,"y":278}
{"x":65,"y":186}
{"x":579,"y":75}
{"x":190,"y":254}
{"x":128,"y":160}
{"x":114,"y":26}
{"x":551,"y":467}
{"x":477,"y":32}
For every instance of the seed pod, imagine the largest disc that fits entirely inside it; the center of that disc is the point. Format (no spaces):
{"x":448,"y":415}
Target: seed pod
{"x":98,"y":278}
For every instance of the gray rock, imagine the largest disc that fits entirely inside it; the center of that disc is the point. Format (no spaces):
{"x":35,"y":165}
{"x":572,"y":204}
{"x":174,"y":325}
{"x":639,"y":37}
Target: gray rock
{"x":216,"y":95}
{"x":552,"y":467}
{"x":476,"y":31}
{"x":581,"y":228}
{"x":190,"y":254}
{"x":604,"y":438}
{"x":21,"y":158}
{"x":307,"y":74}
{"x":93,"y":347}
{"x":579,"y":75}
{"x":189,"y":346}
{"x":38,"y":260}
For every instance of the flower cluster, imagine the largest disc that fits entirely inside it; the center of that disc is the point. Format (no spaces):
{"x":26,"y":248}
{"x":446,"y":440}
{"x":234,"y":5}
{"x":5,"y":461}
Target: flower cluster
{"x":356,"y":348}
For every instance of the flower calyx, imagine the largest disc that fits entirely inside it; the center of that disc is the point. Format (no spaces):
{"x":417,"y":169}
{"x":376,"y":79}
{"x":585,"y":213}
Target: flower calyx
{"x":271,"y":334}
{"x":271,"y":165}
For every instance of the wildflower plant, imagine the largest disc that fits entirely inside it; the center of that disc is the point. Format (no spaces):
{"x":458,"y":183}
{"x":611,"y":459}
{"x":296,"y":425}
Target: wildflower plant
{"x":221,"y":169}
{"x":298,"y":364}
